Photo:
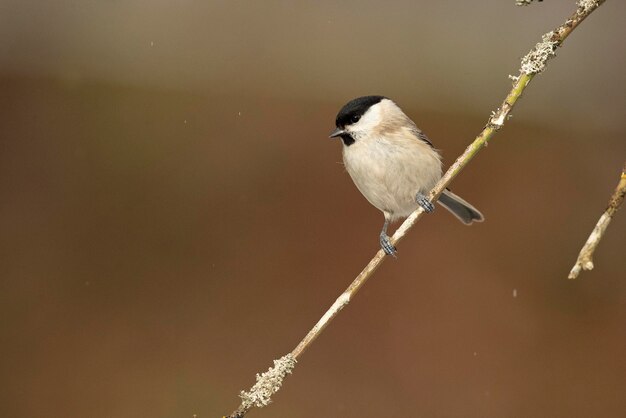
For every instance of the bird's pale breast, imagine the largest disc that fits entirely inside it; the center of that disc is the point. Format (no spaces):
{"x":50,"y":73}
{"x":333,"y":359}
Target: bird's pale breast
{"x":389,"y":172}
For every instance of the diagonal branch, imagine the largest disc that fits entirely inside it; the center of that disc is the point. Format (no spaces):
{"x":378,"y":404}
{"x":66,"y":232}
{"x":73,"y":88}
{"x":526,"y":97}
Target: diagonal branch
{"x":585,"y":258}
{"x":532,"y":64}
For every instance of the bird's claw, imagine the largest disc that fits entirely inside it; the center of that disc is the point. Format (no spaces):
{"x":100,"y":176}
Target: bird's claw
{"x":387,"y":246}
{"x":423,"y":201}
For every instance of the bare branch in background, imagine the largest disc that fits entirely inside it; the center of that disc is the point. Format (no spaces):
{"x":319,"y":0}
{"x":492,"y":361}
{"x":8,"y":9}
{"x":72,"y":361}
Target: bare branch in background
{"x":585,"y":258}
{"x":532,"y":64}
{"x":524,"y":2}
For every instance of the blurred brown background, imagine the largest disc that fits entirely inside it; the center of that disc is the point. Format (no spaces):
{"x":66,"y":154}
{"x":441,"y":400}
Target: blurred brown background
{"x":174,"y":217}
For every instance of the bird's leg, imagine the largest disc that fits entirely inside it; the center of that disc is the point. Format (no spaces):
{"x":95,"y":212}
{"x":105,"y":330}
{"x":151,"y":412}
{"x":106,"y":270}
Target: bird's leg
{"x":385,"y":242}
{"x":423,"y":201}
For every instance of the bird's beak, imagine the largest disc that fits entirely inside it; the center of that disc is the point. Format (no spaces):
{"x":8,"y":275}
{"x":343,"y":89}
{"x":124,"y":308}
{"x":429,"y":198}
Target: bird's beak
{"x":337,"y":132}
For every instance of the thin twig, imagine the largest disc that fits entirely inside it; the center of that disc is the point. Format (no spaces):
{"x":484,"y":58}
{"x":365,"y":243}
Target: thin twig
{"x":524,"y":2}
{"x":532,"y":64}
{"x":585,"y":258}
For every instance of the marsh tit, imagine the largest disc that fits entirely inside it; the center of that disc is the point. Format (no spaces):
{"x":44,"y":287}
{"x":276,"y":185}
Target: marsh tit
{"x":393,"y":164}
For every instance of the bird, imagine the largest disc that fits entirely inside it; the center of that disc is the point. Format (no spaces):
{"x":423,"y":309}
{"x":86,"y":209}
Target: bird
{"x":393,"y":163}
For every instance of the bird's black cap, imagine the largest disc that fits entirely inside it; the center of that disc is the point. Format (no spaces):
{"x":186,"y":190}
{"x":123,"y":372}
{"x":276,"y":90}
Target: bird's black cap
{"x":355,"y":108}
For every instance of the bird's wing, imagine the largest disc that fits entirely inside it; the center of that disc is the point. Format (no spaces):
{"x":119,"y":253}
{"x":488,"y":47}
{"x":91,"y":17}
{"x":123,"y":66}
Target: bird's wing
{"x":421,"y":135}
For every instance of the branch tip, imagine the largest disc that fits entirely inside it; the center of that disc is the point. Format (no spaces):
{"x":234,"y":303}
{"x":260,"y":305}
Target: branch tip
{"x":585,"y":257}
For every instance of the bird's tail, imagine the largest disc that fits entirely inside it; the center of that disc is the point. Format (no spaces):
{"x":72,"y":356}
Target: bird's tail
{"x":460,"y":208}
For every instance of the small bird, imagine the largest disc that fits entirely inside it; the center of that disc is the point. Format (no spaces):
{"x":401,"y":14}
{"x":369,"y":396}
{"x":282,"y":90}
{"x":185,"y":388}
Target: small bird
{"x":392,"y":163}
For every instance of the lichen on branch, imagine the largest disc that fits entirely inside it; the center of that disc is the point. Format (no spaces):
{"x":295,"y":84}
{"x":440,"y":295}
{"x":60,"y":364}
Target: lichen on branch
{"x":267,"y":383}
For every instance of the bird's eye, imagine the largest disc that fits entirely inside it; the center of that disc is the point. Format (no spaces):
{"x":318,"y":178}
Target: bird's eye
{"x":355,"y":118}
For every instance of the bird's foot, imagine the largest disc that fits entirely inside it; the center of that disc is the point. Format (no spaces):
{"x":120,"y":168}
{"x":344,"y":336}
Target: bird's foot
{"x":387,"y":246}
{"x":423,"y":201}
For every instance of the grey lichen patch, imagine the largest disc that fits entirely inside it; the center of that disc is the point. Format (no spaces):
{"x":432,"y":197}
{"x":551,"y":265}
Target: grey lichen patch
{"x":524,"y":2}
{"x":587,"y":5}
{"x":535,"y":61}
{"x":267,"y":383}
